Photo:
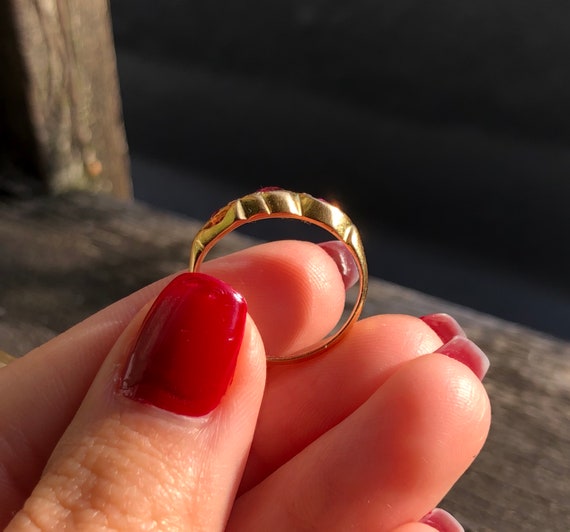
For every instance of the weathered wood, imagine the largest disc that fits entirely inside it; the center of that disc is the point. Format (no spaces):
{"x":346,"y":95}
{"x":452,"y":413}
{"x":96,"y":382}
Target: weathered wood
{"x":62,"y":116}
{"x":63,"y":258}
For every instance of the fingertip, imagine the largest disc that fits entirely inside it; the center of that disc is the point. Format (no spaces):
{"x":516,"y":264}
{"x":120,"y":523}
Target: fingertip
{"x":414,"y":527}
{"x":468,"y":353}
{"x":345,"y":262}
{"x":444,"y":325}
{"x":452,"y":380}
{"x":442,"y":521}
{"x":403,"y":334}
{"x":438,"y":520}
{"x":440,"y":421}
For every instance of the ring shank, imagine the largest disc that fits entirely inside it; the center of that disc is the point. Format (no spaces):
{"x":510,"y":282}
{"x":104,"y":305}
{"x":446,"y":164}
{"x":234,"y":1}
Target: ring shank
{"x":5,"y":358}
{"x":281,"y":203}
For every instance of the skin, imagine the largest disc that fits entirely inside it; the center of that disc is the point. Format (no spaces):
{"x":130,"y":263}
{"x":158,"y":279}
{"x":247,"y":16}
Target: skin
{"x":371,"y":435}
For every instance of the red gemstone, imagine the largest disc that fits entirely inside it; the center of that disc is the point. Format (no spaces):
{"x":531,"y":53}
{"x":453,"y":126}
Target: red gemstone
{"x":269,"y":189}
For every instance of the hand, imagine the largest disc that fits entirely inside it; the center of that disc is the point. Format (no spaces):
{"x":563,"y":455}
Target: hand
{"x":369,"y":436}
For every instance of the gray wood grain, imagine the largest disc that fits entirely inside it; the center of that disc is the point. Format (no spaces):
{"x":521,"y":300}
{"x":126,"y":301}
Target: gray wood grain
{"x":65,"y":257}
{"x":63,"y":114}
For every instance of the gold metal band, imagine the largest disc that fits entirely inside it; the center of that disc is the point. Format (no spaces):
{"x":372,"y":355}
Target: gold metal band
{"x":279,"y":203}
{"x":5,"y":358}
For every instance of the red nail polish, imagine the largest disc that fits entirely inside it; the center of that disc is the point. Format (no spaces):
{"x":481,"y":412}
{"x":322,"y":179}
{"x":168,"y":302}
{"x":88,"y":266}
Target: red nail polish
{"x":344,"y":261}
{"x":442,"y":521}
{"x":443,"y":325}
{"x":185,"y":355}
{"x":465,"y":351}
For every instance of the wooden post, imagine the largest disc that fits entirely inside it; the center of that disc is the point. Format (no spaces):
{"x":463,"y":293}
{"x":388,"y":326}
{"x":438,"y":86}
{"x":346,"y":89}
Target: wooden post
{"x":62,"y":118}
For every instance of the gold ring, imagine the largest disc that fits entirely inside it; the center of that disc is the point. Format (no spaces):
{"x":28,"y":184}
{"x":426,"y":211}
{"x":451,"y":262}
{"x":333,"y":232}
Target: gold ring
{"x":279,"y":203}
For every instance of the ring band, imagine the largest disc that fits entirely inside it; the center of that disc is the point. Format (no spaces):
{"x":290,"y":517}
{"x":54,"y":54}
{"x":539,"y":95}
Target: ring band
{"x":5,"y":358}
{"x":279,"y":203}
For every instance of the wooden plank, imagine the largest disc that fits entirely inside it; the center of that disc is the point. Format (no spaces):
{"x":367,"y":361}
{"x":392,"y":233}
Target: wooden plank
{"x":62,"y":119}
{"x":66,"y":257}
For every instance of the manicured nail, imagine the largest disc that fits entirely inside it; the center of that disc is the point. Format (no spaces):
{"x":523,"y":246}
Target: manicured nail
{"x":185,"y":355}
{"x":344,"y":261}
{"x":442,"y":521}
{"x":465,"y":351}
{"x":443,"y":325}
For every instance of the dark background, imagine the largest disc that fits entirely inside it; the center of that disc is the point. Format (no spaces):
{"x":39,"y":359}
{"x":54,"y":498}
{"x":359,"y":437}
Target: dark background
{"x":442,"y":128}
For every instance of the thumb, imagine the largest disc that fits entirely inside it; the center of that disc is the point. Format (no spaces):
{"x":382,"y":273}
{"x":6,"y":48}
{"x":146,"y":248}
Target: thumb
{"x":163,"y":434}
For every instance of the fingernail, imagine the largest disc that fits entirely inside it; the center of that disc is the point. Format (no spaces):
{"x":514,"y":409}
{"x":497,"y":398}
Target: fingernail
{"x":443,"y":325}
{"x":442,"y":521}
{"x":465,"y":351}
{"x":344,"y":261}
{"x":185,"y":355}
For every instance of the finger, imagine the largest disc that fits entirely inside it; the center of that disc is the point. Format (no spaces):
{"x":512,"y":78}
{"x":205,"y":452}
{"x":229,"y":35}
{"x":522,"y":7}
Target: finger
{"x":417,"y":527}
{"x":162,"y":436}
{"x":442,"y":521}
{"x":438,"y":519}
{"x":42,"y":390}
{"x":295,"y":292}
{"x":387,"y":464}
{"x":305,"y":400}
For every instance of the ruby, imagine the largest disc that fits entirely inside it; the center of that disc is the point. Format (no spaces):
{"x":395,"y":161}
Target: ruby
{"x":270,"y":189}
